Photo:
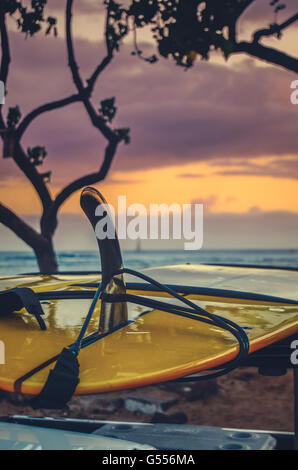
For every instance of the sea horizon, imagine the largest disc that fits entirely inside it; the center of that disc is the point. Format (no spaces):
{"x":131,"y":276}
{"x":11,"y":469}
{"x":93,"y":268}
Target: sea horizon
{"x":18,"y":262}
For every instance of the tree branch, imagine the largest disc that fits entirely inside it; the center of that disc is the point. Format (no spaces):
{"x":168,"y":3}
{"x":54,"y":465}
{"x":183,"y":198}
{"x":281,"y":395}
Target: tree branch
{"x":96,"y":120}
{"x":5,"y":59}
{"x":50,"y":207}
{"x":268,"y":54}
{"x":19,"y":155}
{"x":91,"y":81}
{"x":24,"y":124}
{"x":239,"y":9}
{"x":50,"y":220}
{"x":244,"y":5}
{"x":89,"y":179}
{"x":33,"y":176}
{"x":30,"y":171}
{"x":19,"y":227}
{"x":274,"y":28}
{"x":71,"y":58}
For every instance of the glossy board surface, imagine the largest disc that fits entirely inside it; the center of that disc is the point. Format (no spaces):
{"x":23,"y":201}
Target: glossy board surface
{"x":154,"y":346}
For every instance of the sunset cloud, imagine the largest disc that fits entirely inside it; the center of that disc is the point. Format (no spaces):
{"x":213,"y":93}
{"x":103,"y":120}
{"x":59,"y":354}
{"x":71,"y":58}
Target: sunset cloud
{"x":277,"y":168}
{"x":210,"y":112}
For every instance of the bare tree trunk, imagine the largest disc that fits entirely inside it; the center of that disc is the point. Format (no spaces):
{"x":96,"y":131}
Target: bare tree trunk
{"x":41,"y":244}
{"x":46,"y":257}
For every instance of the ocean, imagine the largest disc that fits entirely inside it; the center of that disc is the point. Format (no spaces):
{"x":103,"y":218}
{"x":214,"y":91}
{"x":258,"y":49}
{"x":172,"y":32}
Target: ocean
{"x":17,"y":262}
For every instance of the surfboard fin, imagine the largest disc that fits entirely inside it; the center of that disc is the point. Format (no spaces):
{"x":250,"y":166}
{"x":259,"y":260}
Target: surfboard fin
{"x":96,"y":208}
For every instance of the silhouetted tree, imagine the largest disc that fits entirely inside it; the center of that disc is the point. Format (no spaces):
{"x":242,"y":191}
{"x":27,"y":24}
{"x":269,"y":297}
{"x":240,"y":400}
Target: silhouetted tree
{"x":29,"y":21}
{"x":182,"y":29}
{"x":185,"y":29}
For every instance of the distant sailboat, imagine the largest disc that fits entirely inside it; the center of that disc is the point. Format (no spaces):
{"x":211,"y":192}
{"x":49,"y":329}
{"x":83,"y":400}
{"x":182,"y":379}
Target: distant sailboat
{"x":138,"y":247}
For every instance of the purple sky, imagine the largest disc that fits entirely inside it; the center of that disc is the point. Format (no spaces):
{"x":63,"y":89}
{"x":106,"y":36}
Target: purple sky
{"x":218,"y":113}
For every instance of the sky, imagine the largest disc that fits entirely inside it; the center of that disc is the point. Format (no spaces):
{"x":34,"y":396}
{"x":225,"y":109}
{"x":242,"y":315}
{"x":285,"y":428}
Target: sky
{"x":223,"y":133}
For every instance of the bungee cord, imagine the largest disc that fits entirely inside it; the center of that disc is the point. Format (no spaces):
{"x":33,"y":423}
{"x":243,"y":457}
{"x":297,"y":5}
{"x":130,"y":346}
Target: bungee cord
{"x":189,"y":310}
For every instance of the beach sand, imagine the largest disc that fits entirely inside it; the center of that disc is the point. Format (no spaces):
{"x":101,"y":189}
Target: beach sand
{"x":241,"y":399}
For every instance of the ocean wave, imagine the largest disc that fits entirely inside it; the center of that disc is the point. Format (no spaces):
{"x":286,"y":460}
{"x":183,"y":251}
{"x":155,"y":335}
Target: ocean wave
{"x":13,"y":262}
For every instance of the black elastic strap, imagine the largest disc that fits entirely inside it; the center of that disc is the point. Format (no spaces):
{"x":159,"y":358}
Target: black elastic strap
{"x":64,"y":378}
{"x":61,"y":383}
{"x":22,"y":297}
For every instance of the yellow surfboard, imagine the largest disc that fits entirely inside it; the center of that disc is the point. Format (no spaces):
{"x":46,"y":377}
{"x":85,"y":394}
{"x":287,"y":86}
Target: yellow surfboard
{"x":154,"y":346}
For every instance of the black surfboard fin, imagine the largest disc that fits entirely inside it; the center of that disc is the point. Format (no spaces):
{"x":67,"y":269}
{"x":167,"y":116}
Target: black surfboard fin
{"x":96,"y":208}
